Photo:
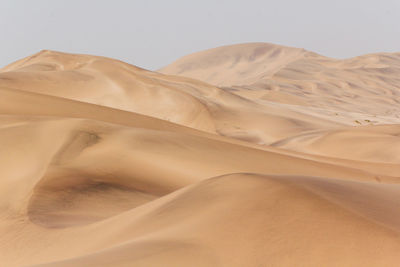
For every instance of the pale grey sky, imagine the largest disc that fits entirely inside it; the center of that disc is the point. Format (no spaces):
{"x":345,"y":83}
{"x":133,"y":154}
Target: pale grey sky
{"x":153,"y":33}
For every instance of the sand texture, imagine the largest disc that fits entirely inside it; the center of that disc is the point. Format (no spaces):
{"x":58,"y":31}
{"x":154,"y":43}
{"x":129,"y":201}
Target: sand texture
{"x":245,"y":155}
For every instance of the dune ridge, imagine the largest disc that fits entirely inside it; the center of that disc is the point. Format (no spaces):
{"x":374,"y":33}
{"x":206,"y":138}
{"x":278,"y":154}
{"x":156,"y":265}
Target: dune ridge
{"x":245,"y":155}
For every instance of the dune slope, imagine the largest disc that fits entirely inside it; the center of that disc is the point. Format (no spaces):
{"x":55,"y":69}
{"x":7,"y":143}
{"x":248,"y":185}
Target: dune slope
{"x":364,"y":87}
{"x":361,"y":91}
{"x":107,"y":164}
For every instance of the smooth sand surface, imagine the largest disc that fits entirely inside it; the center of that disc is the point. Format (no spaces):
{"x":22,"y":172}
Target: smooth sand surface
{"x":356,"y":91}
{"x":246,"y":155}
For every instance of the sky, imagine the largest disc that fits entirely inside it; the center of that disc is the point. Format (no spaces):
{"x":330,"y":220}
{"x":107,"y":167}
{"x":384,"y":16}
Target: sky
{"x":154,"y":33}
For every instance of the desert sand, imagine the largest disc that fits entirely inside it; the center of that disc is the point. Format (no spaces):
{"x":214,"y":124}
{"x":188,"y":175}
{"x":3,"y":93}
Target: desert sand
{"x":245,"y":155}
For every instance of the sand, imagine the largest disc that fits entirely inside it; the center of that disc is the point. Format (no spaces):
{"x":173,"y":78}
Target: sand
{"x":245,"y":155}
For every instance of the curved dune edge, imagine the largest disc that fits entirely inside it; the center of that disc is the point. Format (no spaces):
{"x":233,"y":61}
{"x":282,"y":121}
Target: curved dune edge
{"x":103,"y":171}
{"x":106,"y":164}
{"x":198,"y":223}
{"x":362,"y":143}
{"x":192,"y":103}
{"x":356,"y":91}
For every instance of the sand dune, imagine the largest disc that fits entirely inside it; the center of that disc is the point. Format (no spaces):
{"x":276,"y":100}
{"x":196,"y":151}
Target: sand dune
{"x":365,"y":87}
{"x":288,"y":159}
{"x":363,"y":143}
{"x":341,"y":220}
{"x":184,"y":101}
{"x":241,"y":64}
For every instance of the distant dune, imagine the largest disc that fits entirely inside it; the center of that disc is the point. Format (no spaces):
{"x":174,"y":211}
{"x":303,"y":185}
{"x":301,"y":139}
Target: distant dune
{"x":245,"y":155}
{"x":264,"y":72}
{"x":241,"y":64}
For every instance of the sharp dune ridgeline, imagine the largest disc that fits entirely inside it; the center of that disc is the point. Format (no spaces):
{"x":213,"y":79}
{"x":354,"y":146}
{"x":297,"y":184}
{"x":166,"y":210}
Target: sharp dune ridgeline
{"x":243,"y":155}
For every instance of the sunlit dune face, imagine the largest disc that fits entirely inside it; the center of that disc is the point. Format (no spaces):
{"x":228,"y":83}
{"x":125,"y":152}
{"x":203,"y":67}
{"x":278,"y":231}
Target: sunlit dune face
{"x":245,"y":155}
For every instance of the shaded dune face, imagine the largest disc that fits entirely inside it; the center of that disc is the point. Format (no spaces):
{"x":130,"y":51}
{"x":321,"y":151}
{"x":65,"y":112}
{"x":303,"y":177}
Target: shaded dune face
{"x":73,"y":194}
{"x":85,"y":201}
{"x":71,"y":197}
{"x":245,"y":155}
{"x":336,"y":212}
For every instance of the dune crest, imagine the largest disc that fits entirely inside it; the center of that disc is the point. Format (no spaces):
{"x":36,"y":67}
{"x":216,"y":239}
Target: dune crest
{"x":246,"y":155}
{"x":241,"y":64}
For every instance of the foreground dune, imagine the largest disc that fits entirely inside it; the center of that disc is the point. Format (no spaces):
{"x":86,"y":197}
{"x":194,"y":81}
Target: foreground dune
{"x":298,"y":212}
{"x":107,"y":164}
